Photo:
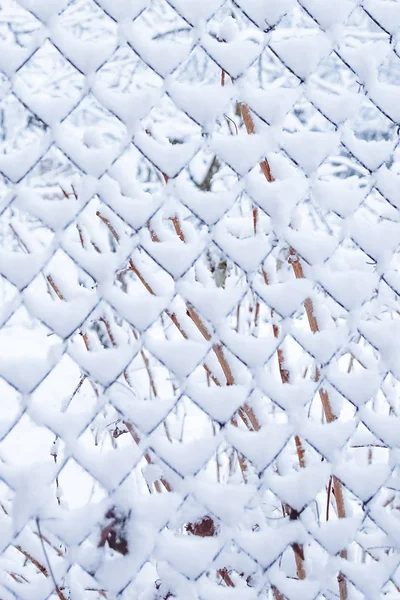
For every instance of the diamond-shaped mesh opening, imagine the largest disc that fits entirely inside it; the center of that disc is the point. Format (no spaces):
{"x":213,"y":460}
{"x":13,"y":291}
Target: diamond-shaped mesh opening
{"x":54,"y":177}
{"x":124,"y":73}
{"x":23,"y":128}
{"x":78,"y":125}
{"x":98,"y":24}
{"x":38,"y":73}
{"x":18,"y":25}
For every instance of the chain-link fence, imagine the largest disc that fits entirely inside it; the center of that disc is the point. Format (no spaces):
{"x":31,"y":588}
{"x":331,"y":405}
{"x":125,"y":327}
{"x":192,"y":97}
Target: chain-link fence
{"x":199,"y":332}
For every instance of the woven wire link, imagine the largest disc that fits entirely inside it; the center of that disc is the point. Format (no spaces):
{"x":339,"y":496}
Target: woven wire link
{"x":199,"y":354}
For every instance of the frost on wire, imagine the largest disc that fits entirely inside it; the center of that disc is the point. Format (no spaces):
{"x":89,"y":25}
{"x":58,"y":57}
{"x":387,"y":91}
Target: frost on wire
{"x":199,"y":279}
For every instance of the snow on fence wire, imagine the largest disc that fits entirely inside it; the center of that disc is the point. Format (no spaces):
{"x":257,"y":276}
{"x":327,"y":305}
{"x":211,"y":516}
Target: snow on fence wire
{"x":199,"y":343}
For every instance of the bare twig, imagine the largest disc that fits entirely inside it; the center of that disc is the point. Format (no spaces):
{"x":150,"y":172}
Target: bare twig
{"x":308,"y":304}
{"x":50,"y":570}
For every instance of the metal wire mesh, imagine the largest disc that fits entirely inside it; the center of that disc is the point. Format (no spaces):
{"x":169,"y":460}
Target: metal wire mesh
{"x":199,"y":353}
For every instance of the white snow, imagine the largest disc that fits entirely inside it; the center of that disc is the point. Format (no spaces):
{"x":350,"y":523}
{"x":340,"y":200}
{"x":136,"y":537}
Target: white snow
{"x":199,"y":326}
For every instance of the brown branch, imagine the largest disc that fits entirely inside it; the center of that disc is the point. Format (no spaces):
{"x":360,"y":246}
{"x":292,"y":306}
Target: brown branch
{"x":107,"y":222}
{"x":285,"y":378}
{"x":49,"y":571}
{"x":297,"y":548}
{"x":246,"y":412}
{"x":129,"y":426}
{"x":309,"y":307}
{"x":205,"y":185}
{"x":154,"y":237}
{"x":48,"y":278}
{"x":277,"y":593}
{"x":226,"y":577}
{"x":329,"y":415}
{"x":109,"y":332}
{"x":217,"y":348}
{"x":142,"y":280}
{"x":45,"y":539}
{"x":54,"y":287}
{"x":328,"y":498}
{"x":249,"y":124}
{"x":114,"y":344}
{"x":18,"y":237}
{"x":178,"y":228}
{"x":299,"y":558}
{"x":147,"y":457}
{"x":33,"y":560}
{"x":149,"y":373}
